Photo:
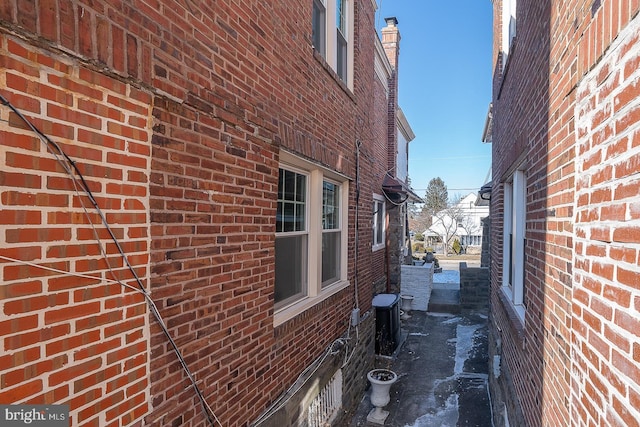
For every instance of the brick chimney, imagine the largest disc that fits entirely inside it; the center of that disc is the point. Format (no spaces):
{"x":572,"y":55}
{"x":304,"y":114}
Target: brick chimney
{"x":391,"y":45}
{"x":391,"y":40}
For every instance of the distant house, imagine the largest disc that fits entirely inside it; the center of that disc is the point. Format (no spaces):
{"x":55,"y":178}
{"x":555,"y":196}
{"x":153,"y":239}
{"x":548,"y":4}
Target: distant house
{"x":565,"y":297}
{"x":461,"y":221}
{"x":195,"y":234}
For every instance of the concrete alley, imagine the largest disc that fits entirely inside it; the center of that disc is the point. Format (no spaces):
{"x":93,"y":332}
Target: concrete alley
{"x":442,"y":365}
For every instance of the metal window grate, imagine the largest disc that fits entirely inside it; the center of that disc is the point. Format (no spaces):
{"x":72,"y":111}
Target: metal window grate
{"x":324,"y":408}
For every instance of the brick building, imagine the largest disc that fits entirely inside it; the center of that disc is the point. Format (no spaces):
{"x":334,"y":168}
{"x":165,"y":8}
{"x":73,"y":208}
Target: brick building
{"x":215,"y":163}
{"x":565,"y":288}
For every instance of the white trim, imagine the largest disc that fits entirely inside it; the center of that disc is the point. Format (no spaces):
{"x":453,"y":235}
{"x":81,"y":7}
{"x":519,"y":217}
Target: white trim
{"x":404,"y":126}
{"x":519,"y":218}
{"x":378,"y":198}
{"x":294,"y":309}
{"x":518,"y":308}
{"x":507,"y":228}
{"x":314,"y":291}
{"x":382,"y":66}
{"x":331,"y":41}
{"x":508,"y":16}
{"x":514,"y":229}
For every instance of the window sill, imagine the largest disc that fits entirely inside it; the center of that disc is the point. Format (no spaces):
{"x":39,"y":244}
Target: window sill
{"x":516,"y":313}
{"x":505,"y":68}
{"x":376,"y":248}
{"x":294,"y":309}
{"x":343,"y":85}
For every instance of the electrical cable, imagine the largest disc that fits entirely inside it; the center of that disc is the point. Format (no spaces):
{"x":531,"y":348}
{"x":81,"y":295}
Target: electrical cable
{"x":70,"y":167}
{"x":296,"y":386}
{"x":69,"y":273}
{"x":308,"y":373}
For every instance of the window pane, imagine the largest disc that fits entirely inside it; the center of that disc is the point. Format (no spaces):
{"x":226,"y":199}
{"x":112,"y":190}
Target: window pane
{"x":378,"y":223}
{"x":341,"y":60}
{"x":289,"y":217}
{"x":288,"y":184}
{"x":330,"y":257}
{"x":299,"y":215}
{"x":318,"y":26}
{"x":279,"y":218}
{"x":340,"y":15}
{"x":292,"y":192}
{"x":291,"y":269}
{"x":511,"y":259}
{"x":330,"y":206}
{"x":301,"y":187}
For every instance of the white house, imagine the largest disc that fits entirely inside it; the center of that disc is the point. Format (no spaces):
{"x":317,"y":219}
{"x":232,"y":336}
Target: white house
{"x":461,"y":221}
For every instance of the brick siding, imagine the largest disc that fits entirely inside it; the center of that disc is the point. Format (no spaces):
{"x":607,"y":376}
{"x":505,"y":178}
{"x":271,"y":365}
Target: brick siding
{"x":68,"y":338}
{"x":175,"y":112}
{"x":606,"y":299}
{"x":577,"y":300}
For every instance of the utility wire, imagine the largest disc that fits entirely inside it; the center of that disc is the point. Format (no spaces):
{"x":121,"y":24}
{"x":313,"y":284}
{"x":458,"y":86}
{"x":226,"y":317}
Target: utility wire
{"x":70,"y":167}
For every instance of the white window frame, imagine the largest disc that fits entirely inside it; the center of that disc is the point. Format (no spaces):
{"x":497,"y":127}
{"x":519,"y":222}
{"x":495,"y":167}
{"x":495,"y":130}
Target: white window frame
{"x":509,"y":8}
{"x":319,"y":26}
{"x":328,"y":49}
{"x":315,"y":290}
{"x":513,"y":246}
{"x":379,"y":213}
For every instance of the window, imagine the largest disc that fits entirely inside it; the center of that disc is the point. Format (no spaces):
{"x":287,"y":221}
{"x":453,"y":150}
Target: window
{"x":331,"y":234}
{"x":293,"y":236}
{"x":333,"y":42}
{"x":310,"y":246}
{"x":341,"y":39}
{"x":319,"y":20}
{"x":379,"y":222}
{"x":514,"y":241}
{"x":471,"y":240}
{"x":508,"y":27}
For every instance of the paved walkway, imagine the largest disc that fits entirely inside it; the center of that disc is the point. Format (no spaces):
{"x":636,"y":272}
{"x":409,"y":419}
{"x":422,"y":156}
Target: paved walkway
{"x":442,"y":366}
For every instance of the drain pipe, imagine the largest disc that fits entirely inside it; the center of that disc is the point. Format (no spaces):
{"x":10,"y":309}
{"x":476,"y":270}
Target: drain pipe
{"x":356,"y":308}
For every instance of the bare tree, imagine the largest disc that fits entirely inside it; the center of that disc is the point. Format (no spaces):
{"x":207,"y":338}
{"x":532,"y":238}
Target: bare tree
{"x":446,"y":223}
{"x":419,"y":221}
{"x":470,"y":227}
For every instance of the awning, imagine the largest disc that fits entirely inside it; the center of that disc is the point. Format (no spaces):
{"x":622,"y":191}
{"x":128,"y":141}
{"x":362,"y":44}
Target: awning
{"x":398,"y":191}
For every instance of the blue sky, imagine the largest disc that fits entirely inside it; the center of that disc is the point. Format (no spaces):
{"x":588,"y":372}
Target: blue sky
{"x":445,"y":74}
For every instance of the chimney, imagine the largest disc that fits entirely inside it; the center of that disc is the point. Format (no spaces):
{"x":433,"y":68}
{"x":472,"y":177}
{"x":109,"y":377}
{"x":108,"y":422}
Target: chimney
{"x":391,"y":45}
{"x":391,"y":40}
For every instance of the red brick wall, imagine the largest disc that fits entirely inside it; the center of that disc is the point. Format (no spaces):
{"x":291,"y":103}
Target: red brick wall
{"x":554,"y":361}
{"x":67,"y":339}
{"x":228,"y":84}
{"x":375,"y":153}
{"x":606,"y":294}
{"x":521,"y":96}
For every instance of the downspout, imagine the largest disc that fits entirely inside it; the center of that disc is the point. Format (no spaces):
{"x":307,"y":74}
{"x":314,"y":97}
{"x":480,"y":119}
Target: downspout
{"x":386,"y":248}
{"x":357,"y":219}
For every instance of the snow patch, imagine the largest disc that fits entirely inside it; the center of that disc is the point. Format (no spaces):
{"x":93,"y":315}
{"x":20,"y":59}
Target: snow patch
{"x":447,"y":416}
{"x":464,"y":345}
{"x":452,"y":320}
{"x":447,"y":276}
{"x":434,"y":314}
